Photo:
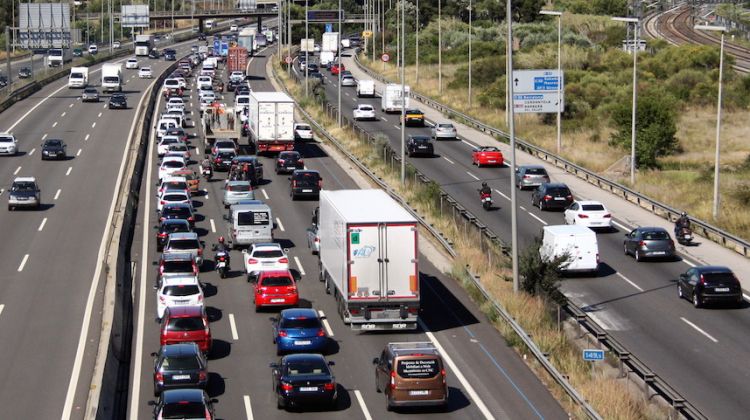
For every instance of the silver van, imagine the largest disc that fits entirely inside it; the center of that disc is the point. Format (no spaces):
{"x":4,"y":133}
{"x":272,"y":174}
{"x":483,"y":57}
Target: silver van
{"x":249,"y":223}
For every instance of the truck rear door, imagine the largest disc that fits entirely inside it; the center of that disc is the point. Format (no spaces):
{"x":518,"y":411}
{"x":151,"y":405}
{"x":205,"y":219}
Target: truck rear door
{"x":285,"y":121}
{"x":401,"y":276}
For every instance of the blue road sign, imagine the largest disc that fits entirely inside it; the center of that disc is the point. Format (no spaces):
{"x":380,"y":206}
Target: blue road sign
{"x":546,"y":83}
{"x":329,"y":27}
{"x":217,"y":46}
{"x":592,"y":355}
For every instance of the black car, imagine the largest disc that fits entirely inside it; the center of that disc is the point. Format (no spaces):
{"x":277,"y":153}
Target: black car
{"x":201,"y":36}
{"x":287,"y":162}
{"x":221,"y":161}
{"x":355,"y":41}
{"x":118,"y":101}
{"x":170,"y":226}
{"x":154,"y":53}
{"x":305,"y":183}
{"x":552,"y":195}
{"x":184,"y":404}
{"x":301,"y":379}
{"x":24,"y":73}
{"x":709,"y":283}
{"x":256,"y":167}
{"x":77,"y":52}
{"x":649,"y":242}
{"x":419,"y":145}
{"x":54,"y":149}
{"x":182,"y":211}
{"x":170,"y":54}
{"x":316,"y":75}
{"x":312,"y":67}
{"x":179,"y":366}
{"x":3,"y":81}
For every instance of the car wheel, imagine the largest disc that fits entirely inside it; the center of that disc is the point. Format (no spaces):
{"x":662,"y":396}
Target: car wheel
{"x":679,"y":291}
{"x":637,"y":255}
{"x":10,"y":208}
{"x":388,"y":406}
{"x":377,"y":384}
{"x":625,"y":249}
{"x":257,"y":308}
{"x":697,"y":302}
{"x":279,"y":404}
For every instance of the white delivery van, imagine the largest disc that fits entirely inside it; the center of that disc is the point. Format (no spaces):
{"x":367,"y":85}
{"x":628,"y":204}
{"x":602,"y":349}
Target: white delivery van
{"x":79,"y":77}
{"x":391,"y":100}
{"x":365,"y":88}
{"x":249,"y":223}
{"x":577,"y":241}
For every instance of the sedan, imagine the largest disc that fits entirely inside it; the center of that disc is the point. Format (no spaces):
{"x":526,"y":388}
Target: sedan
{"x":444,"y":131}
{"x":364,"y":112}
{"x":132,"y":63}
{"x":419,"y":145}
{"x":93,"y":49}
{"x":118,"y":101}
{"x":275,"y":288}
{"x":172,"y":197}
{"x":647,"y":242}
{"x":414,"y":117}
{"x":178,"y":291}
{"x":704,"y":284}
{"x":487,"y":155}
{"x":591,"y":214}
{"x":552,"y":196}
{"x":24,"y":73}
{"x":299,"y":330}
{"x":184,"y":404}
{"x":90,"y":94}
{"x":54,"y":149}
{"x":264,"y":257}
{"x":236,"y":191}
{"x":179,"y":366}
{"x":300,"y":379}
{"x":163,"y":147}
{"x":145,"y":73}
{"x":287,"y":162}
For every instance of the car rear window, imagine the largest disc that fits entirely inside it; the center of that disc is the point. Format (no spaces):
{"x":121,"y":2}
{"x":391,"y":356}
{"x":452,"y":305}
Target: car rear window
{"x":174,"y":197}
{"x":719,"y":277}
{"x":180,"y":363}
{"x":273,"y":253}
{"x":312,"y":367}
{"x":239,"y":188}
{"x":558,"y":191}
{"x":173,"y":164}
{"x":181,"y":290}
{"x":445,"y":125}
{"x":418,"y":368}
{"x":655,"y":235}
{"x":176,"y":211}
{"x":300,"y":323}
{"x":252,"y":218}
{"x":536,"y":171}
{"x":303,"y":127}
{"x":175,"y":227}
{"x":184,"y":410}
{"x":276,"y":281}
{"x":185,"y":324}
{"x":184,"y":244}
{"x":592,"y":207}
{"x":178,"y":266}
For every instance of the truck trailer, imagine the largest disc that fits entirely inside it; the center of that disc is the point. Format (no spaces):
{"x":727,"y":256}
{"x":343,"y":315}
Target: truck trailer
{"x":237,"y":59}
{"x":392,"y":100}
{"x":368,"y":259}
{"x":330,"y":41}
{"x":271,"y":122}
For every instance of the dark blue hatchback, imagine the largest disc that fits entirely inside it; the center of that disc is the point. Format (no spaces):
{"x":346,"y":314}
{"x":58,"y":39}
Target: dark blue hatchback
{"x":304,"y":379}
{"x":299,"y":330}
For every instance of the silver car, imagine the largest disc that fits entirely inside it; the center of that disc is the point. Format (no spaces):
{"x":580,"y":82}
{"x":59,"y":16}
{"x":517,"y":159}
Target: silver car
{"x":531,"y":176}
{"x":236,"y":191}
{"x":186,"y":242}
{"x":90,"y":95}
{"x":348,"y":81}
{"x":444,"y":131}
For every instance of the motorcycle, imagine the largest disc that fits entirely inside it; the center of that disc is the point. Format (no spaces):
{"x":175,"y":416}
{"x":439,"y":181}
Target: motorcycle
{"x":207,"y":173}
{"x":221,"y":262}
{"x":684,"y":235}
{"x":486,"y":201}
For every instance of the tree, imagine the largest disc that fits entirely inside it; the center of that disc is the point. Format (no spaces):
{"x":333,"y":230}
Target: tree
{"x":540,"y":276}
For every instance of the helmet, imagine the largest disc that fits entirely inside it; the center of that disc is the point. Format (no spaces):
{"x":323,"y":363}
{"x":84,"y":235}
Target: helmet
{"x":683,"y":214}
{"x":221,"y":239}
{"x":484,"y":184}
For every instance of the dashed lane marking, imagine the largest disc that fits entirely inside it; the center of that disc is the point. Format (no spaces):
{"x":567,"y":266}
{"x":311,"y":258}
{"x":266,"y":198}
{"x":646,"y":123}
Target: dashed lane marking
{"x":57,"y":194}
{"x":629,"y":281}
{"x":325,"y":323}
{"x":32,"y":151}
{"x":449,"y":161}
{"x":23,"y":262}
{"x":299,"y":265}
{"x":79,"y":152}
{"x":87,"y":137}
{"x":233,"y":326}
{"x":264,"y":194}
{"x":17,"y":171}
{"x":281,"y":226}
{"x":41,"y":225}
{"x":213,"y":226}
{"x":70,"y":168}
{"x":695,"y":327}
{"x":472,"y":175}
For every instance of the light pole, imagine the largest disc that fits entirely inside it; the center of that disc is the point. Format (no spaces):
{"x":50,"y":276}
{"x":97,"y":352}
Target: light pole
{"x":341,"y":63}
{"x":723,"y":30}
{"x":440,"y":47}
{"x":307,"y":35}
{"x":416,"y":51}
{"x":403,"y":94}
{"x":382,"y":31}
{"x":469,"y":53}
{"x":559,"y":73}
{"x":634,"y":21}
{"x":512,"y":133}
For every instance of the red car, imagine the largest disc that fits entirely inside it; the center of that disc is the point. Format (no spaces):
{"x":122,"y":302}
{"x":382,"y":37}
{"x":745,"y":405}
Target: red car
{"x":182,"y":324}
{"x":488,"y":156}
{"x":275,"y":288}
{"x":336,"y":67}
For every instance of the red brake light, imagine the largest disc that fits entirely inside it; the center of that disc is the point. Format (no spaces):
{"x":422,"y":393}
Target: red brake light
{"x":200,"y":251}
{"x":547,"y":197}
{"x":294,"y":183}
{"x":191,"y":219}
{"x":703,"y":280}
{"x":583,"y":216}
{"x":641,"y":243}
{"x":286,"y":387}
{"x":282,"y":333}
{"x":320,"y":184}
{"x":159,"y":377}
{"x":393,"y":380}
{"x":252,"y":261}
{"x":284,"y":260}
{"x":442,"y":372}
{"x":607,"y":216}
{"x":321,"y":333}
{"x":329,"y":386}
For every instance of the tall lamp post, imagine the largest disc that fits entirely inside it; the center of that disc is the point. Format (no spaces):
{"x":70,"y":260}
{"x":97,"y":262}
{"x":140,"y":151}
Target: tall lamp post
{"x":440,"y":47}
{"x":403,"y":92}
{"x":512,"y":133}
{"x":469,"y":53}
{"x":416,"y":51}
{"x":723,"y":30}
{"x":340,"y":64}
{"x":307,"y":47}
{"x":559,"y":72}
{"x":634,"y":21}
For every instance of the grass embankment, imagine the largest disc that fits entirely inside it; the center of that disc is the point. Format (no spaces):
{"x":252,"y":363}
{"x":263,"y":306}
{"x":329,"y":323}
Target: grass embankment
{"x":607,"y":394}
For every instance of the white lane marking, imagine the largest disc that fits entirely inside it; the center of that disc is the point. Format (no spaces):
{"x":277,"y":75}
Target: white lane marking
{"x":57,"y":194}
{"x":104,"y":106}
{"x":472,"y":175}
{"x":620,"y":225}
{"x":9,"y":129}
{"x":362,"y":405}
{"x":502,"y":195}
{"x":93,"y":125}
{"x":396,"y":126}
{"x":70,"y":168}
{"x":346,"y":93}
{"x":537,"y":218}
{"x":32,"y":151}
{"x":17,"y":171}
{"x":460,"y":376}
{"x":688,"y":262}
{"x":264,"y":194}
{"x":100,"y":115}
{"x":325,"y":323}
{"x":23,"y":262}
{"x":281,"y":226}
{"x":233,"y":326}
{"x":248,"y":407}
{"x":44,"y":136}
{"x":87,"y":137}
{"x":62,"y":115}
{"x":1,"y":308}
{"x":213,"y":226}
{"x":206,"y":194}
{"x":299,"y":265}
{"x":383,"y":118}
{"x":70,"y":106}
{"x":79,"y":152}
{"x":697,"y":328}
{"x":470,"y":144}
{"x":449,"y":161}
{"x":41,"y":225}
{"x":54,"y":124}
{"x":629,"y":281}
{"x":522,"y":208}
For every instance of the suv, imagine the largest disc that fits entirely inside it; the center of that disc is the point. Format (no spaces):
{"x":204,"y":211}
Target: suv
{"x":185,"y":243}
{"x":411,"y":374}
{"x":419,"y":145}
{"x":178,"y":263}
{"x":8,"y":144}
{"x":24,"y":193}
{"x":179,"y":366}
{"x":186,"y":324}
{"x":305,"y":183}
{"x":552,"y":196}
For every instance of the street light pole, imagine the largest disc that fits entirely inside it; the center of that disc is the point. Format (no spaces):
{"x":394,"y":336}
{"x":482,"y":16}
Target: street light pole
{"x":341,"y":63}
{"x":469,"y":53}
{"x":416,"y":52}
{"x":289,"y":34}
{"x":307,"y":48}
{"x":559,"y":72}
{"x":634,"y":21}
{"x":723,"y":30}
{"x":512,"y":133}
{"x":403,"y":94}
{"x":440,"y":47}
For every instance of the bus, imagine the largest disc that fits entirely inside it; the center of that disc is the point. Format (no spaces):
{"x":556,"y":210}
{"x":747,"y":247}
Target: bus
{"x":143,"y":44}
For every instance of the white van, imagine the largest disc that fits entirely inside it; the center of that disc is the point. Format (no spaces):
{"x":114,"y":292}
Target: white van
{"x":249,"y":223}
{"x":577,"y":241}
{"x":365,"y":87}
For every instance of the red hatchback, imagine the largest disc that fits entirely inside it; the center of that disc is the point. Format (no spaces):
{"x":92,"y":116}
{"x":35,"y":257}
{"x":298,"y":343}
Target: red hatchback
{"x":275,"y":288}
{"x":182,"y":324}
{"x":336,"y":68}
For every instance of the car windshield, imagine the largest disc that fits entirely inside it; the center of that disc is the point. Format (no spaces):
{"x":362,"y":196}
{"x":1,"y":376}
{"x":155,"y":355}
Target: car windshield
{"x":365,"y":108}
{"x":307,"y":367}
{"x":23,"y":186}
{"x":183,"y":410}
{"x":276,"y":281}
{"x":185,"y":324}
{"x":180,"y":363}
{"x":300,"y":323}
{"x":181,"y":290}
{"x":178,"y":148}
{"x":184,"y":244}
{"x":535,"y":171}
{"x":269,"y":253}
{"x":89,"y":91}
{"x":224,"y":144}
{"x":418,"y":368}
{"x":252,"y":218}
{"x":180,"y":266}
{"x":53,"y":143}
{"x":592,"y":207}
{"x":655,"y":235}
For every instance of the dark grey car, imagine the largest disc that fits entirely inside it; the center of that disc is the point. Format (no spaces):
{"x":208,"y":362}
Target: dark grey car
{"x":552,"y":196}
{"x":179,"y":366}
{"x":710,"y":284}
{"x":54,"y":149}
{"x":531,"y":176}
{"x":649,"y":242}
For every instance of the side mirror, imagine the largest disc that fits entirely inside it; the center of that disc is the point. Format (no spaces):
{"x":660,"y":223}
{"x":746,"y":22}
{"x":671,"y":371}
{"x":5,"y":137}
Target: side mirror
{"x":214,"y":400}
{"x":375,"y":361}
{"x":331,"y":363}
{"x":273,"y":365}
{"x":152,"y":403}
{"x":153,"y":354}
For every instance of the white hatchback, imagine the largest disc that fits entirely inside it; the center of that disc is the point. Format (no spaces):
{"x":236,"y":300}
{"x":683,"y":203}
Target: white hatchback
{"x":264,"y":257}
{"x":178,"y":291}
{"x":145,"y":73}
{"x":132,"y":63}
{"x":170,"y":165}
{"x":173,"y":197}
{"x":203,"y":81}
{"x":164,"y":144}
{"x":364,"y":112}
{"x":591,"y":214}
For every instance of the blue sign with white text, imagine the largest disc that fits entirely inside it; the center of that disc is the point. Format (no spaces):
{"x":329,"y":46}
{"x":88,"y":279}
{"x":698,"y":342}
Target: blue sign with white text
{"x":217,"y":46}
{"x":546,"y":83}
{"x":329,"y":27}
{"x":593,"y":355}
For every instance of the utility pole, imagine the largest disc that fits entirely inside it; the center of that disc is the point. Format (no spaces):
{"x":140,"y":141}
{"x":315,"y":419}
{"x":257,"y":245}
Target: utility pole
{"x":513,"y":193}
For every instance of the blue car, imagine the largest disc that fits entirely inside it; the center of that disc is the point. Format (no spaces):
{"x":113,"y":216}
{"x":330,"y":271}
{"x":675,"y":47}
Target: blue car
{"x":299,"y":330}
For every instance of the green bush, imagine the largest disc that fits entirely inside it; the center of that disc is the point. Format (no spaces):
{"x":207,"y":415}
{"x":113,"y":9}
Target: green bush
{"x":541,"y":277}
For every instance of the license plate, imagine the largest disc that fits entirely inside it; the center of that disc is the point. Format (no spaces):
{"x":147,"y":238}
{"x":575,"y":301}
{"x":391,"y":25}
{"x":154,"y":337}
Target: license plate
{"x":559,"y":198}
{"x":658,"y":252}
{"x":181,"y":301}
{"x":420,"y":392}
{"x":721,"y":289}
{"x":277,"y":300}
{"x":267,"y":262}
{"x":180,"y":377}
{"x":490,"y":161}
{"x":302,"y":343}
{"x":308,"y":388}
{"x":596,"y":223}
{"x":688,"y":237}
{"x":306,"y":191}
{"x":221,"y":264}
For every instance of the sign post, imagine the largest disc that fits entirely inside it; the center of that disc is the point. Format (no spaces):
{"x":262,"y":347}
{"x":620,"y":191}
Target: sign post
{"x":536,"y":91}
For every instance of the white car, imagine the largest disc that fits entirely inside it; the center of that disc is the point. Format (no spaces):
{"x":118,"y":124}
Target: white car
{"x":116,"y":44}
{"x":132,"y":63}
{"x":172,"y":183}
{"x":591,"y":214}
{"x":207,"y":94}
{"x":234,"y":28}
{"x":145,"y":73}
{"x":181,"y":82}
{"x":176,"y":102}
{"x":265,"y":257}
{"x":316,"y":48}
{"x":178,"y":291}
{"x":364,"y":112}
{"x":164,"y":144}
{"x":303,"y":132}
{"x":163,"y":125}
{"x":203,"y":81}
{"x":93,"y":49}
{"x":348,"y":81}
{"x":205,"y":103}
{"x":171,"y":165}
{"x":240,"y":102}
{"x":8,"y":144}
{"x":176,"y":109}
{"x":237,"y":76}
{"x":173,"y":197}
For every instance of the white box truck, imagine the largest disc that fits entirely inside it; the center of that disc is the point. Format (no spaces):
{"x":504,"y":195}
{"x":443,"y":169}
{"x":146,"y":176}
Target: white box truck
{"x":579,"y":242}
{"x":111,"y":77}
{"x":246,"y":39}
{"x":365,"y":87}
{"x":143,"y":44}
{"x":78,"y":78}
{"x":58,"y":56}
{"x":269,"y":35}
{"x":368,"y":259}
{"x":247,"y":5}
{"x":271,"y":117}
{"x":330,"y":41}
{"x":391,"y":99}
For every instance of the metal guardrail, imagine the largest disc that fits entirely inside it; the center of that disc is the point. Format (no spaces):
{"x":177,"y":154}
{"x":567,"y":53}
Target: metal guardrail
{"x":701,"y":227}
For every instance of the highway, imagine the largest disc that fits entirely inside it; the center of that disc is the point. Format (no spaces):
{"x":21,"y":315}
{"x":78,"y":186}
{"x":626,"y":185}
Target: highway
{"x":487,"y":379}
{"x":637,"y":303}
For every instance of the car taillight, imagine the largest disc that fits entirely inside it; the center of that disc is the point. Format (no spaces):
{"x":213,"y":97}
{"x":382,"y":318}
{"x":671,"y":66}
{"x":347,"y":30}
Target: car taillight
{"x":294,"y":184}
{"x":282,"y":333}
{"x":191,"y":219}
{"x":163,"y":202}
{"x":330,"y":386}
{"x":703,"y":280}
{"x":320,"y":184}
{"x":583,"y":216}
{"x":547,"y":197}
{"x":526,"y":177}
{"x":321,"y":333}
{"x":413,"y":309}
{"x":568,"y":197}
{"x":252,"y":261}
{"x":393,"y":380}
{"x":284,"y":260}
{"x":161,"y":235}
{"x":607,"y":216}
{"x":301,"y":161}
{"x":200,"y":298}
{"x":354,"y":311}
{"x":280,"y":161}
{"x":442,"y":372}
{"x":641,"y":243}
{"x":159,"y":377}
{"x":317,"y":239}
{"x":200,"y":251}
{"x":286,"y":387}
{"x":162,"y":299}
{"x":597,"y":258}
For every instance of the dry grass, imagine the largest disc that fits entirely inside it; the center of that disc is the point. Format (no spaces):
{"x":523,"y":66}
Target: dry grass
{"x":607,"y":394}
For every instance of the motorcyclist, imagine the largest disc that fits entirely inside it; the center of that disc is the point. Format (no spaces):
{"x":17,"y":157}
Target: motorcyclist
{"x":485,"y":190}
{"x":682,"y":223}
{"x":221,"y":246}
{"x":206,"y":167}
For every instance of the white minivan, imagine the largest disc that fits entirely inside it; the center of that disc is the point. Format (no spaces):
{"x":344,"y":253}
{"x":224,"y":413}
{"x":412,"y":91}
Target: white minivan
{"x":249,"y":223}
{"x":579,"y":242}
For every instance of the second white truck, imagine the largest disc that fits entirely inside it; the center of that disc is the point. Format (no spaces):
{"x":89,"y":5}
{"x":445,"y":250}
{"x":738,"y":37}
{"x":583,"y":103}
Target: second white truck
{"x":392,"y":100}
{"x":576,"y":242}
{"x":112,"y":77}
{"x":271,"y":117}
{"x":58,"y":56}
{"x":368,"y":259}
{"x":79,"y":77}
